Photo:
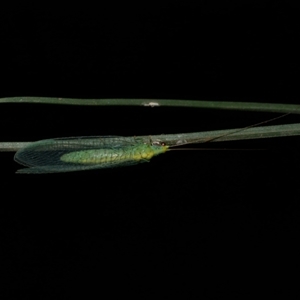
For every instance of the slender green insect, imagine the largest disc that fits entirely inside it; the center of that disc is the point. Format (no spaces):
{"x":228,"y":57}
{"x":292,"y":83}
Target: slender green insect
{"x":86,"y":153}
{"x":99,"y":152}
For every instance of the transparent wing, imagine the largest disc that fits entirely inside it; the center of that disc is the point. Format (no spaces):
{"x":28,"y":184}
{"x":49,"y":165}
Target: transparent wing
{"x":44,"y":156}
{"x":73,"y":167}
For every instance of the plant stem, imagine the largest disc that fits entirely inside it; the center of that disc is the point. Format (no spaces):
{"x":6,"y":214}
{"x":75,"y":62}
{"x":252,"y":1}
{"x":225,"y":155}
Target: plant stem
{"x":245,"y":106}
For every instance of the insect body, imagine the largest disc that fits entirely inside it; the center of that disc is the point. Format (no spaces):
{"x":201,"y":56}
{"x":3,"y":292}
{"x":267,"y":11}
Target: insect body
{"x":84,"y":153}
{"x":104,"y":156}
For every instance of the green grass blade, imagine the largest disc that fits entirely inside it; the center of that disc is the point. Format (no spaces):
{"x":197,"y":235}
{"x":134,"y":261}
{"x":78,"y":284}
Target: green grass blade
{"x":244,"y":106}
{"x":12,"y":146}
{"x":261,"y":132}
{"x":201,"y":137}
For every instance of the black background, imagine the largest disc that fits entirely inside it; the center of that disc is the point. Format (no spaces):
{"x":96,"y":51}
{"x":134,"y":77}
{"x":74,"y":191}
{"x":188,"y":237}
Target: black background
{"x":214,"y":223}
